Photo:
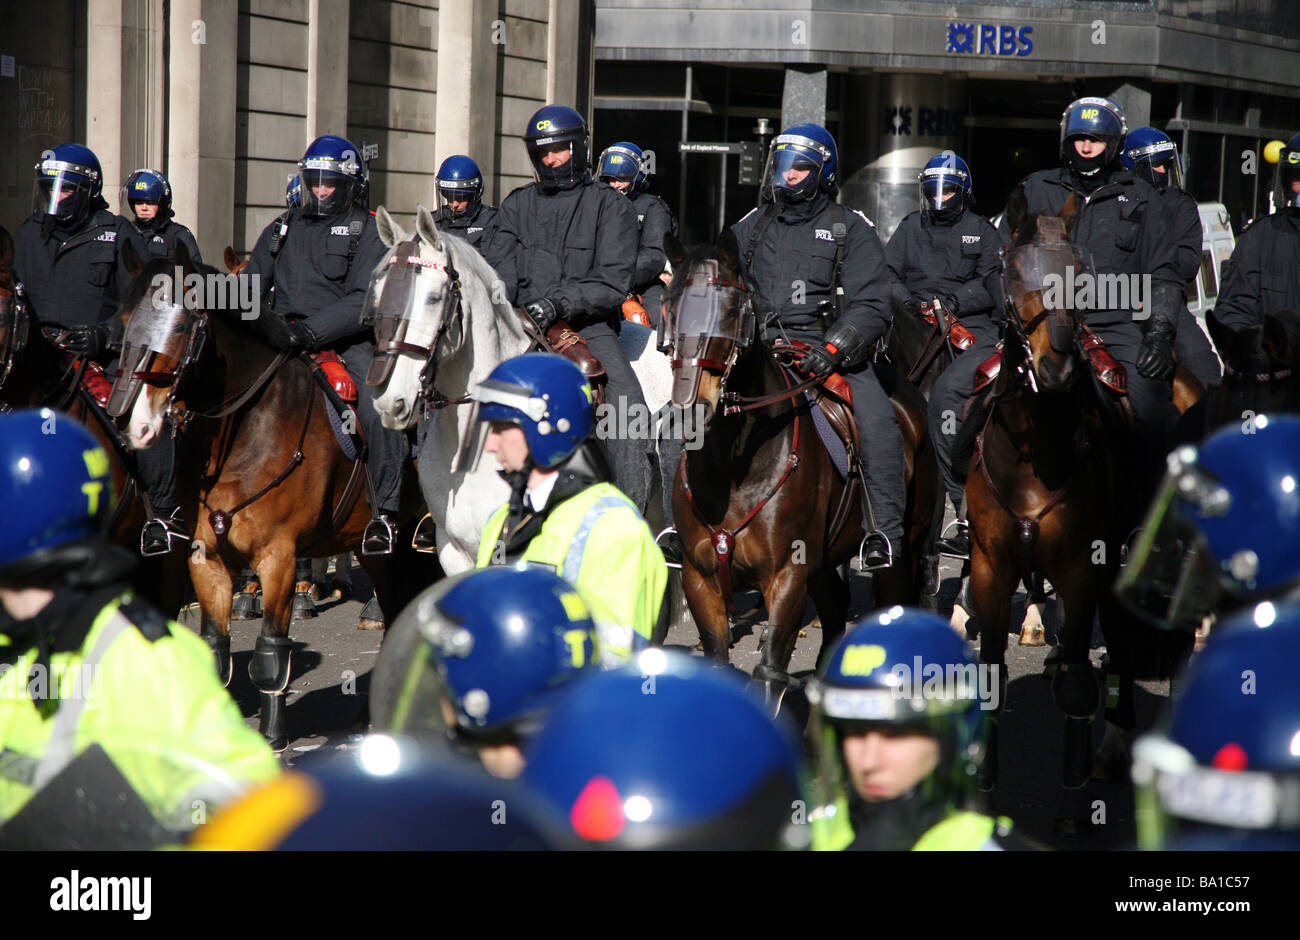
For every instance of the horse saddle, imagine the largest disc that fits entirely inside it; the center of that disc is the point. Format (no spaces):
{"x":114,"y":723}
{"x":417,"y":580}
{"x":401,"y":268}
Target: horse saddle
{"x":1108,"y":370}
{"x":563,"y":339}
{"x":961,"y":338}
{"x":833,"y":414}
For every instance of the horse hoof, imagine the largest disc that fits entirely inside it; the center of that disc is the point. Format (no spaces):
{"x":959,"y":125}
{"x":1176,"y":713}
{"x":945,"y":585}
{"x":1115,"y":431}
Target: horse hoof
{"x":246,"y":607}
{"x":366,"y":623}
{"x":1032,"y":635}
{"x":960,"y":617}
{"x":304,"y":608}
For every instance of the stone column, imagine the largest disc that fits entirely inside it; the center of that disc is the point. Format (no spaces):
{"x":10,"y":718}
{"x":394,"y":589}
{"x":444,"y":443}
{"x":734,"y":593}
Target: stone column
{"x":327,"y":68}
{"x":465,"y":108}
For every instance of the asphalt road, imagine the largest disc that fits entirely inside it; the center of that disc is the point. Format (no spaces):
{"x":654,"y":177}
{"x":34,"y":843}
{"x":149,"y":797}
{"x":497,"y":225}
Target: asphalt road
{"x":332,"y":660}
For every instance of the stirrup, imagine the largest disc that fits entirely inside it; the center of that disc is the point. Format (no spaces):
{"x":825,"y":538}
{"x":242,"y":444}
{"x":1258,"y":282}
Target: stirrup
{"x":425,"y":529}
{"x":164,"y":529}
{"x":889,"y":553}
{"x":380,"y":531}
{"x":962,"y":527}
{"x":670,"y":531}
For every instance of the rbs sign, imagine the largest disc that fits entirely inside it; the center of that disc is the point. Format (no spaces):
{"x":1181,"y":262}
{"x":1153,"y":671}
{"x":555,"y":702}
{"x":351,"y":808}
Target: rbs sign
{"x":989,"y":39}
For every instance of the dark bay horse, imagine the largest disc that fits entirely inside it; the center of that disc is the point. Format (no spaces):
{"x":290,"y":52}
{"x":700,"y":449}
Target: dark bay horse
{"x":34,"y":373}
{"x":760,"y":502}
{"x":258,"y":469}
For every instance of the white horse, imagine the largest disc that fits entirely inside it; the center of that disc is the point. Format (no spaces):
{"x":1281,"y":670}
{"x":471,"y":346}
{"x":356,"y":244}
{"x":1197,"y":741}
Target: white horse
{"x":490,"y":333}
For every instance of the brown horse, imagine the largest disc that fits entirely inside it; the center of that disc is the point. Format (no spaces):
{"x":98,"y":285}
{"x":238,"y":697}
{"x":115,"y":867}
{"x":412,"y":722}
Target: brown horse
{"x":761,"y":502}
{"x":258,"y":467}
{"x":34,"y":373}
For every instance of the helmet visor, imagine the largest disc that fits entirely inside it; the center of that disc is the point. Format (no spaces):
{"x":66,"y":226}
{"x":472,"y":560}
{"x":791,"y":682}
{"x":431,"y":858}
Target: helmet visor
{"x":794,"y":168}
{"x":1288,"y":179}
{"x":61,"y":190}
{"x":325,"y":190}
{"x":495,"y":401}
{"x":941,"y":190}
{"x":1171,"y":578}
{"x":619,"y":163}
{"x":1158,"y":164}
{"x":461,"y":191}
{"x":557,"y":160}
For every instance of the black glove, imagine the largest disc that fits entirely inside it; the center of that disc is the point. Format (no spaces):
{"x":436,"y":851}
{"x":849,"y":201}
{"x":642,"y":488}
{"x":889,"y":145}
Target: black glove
{"x":912,"y":307}
{"x":949,"y":303}
{"x":820,"y":362}
{"x":544,"y":312}
{"x":1156,"y":354}
{"x":85,"y":341}
{"x":300,"y":337}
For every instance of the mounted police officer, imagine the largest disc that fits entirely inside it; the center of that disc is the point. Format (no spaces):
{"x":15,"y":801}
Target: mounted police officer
{"x":566,"y":248}
{"x":1122,"y":223}
{"x":820,"y":272}
{"x":947,"y":252}
{"x":623,"y":167}
{"x":67,"y":617}
{"x":1260,"y":279}
{"x":1150,"y":155}
{"x":478,"y":660}
{"x":1222,"y":533}
{"x":68,"y":256}
{"x":1220,"y":772}
{"x":564,"y":512}
{"x":318,"y":260}
{"x":899,"y":754}
{"x":669,"y":753}
{"x":460,"y":184}
{"x":146,"y":202}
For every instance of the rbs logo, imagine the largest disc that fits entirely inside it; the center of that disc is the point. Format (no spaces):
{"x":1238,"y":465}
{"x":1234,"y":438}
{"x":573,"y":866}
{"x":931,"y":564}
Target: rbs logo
{"x":993,"y":39}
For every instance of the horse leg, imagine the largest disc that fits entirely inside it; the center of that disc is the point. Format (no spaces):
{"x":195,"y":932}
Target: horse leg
{"x":1074,"y":689}
{"x":785,"y":594}
{"x":304,"y":605}
{"x":709,"y":610}
{"x":269,"y":666}
{"x":1032,"y":631}
{"x":991,"y":587}
{"x":212,"y":586}
{"x":830,"y":595}
{"x":1112,"y":758}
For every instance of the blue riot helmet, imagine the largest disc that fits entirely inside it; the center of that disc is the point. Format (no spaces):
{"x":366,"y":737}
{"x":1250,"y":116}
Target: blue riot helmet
{"x":558,"y":127}
{"x":57,"y":489}
{"x":1222,"y":769}
{"x":801,"y":162}
{"x":544,"y":394}
{"x":68,"y":183}
{"x":498,"y":645}
{"x":1286,"y":179}
{"x":1152,"y":156}
{"x":1096,"y":119}
{"x":945,"y":187}
{"x":149,"y":187}
{"x":293,"y":192}
{"x":668,"y":752}
{"x":901,"y":671}
{"x":333,"y":177}
{"x":623,"y":162}
{"x":459,"y":178}
{"x":1224,"y":528}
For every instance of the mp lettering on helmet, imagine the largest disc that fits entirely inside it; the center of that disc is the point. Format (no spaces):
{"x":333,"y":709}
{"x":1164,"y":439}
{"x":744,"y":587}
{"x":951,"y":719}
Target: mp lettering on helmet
{"x":1090,"y":113}
{"x":96,"y":462}
{"x":862,"y":659}
{"x":141,"y":184}
{"x":574,"y":640}
{"x":574,"y":606}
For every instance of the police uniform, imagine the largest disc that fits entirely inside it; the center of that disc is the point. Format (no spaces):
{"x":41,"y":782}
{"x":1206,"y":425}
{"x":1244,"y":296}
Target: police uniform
{"x":656,"y":220}
{"x":1190,"y":342}
{"x":959,"y":260}
{"x":1123,"y":226}
{"x":153,"y":704}
{"x":954,"y":831}
{"x":159,"y":241}
{"x":1261,"y":276}
{"x":792,"y":268}
{"x":319,"y":284}
{"x":578,"y":246}
{"x":466,"y":226}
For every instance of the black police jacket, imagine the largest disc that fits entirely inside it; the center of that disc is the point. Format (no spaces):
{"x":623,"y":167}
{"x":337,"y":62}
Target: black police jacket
{"x":1261,"y":275}
{"x":656,"y":220}
{"x":960,"y":259}
{"x":77,"y":279}
{"x":793,"y":265}
{"x":159,"y":242}
{"x":1184,"y":230}
{"x":577,"y":246}
{"x":311,"y":277}
{"x":1123,"y":226}
{"x":468,"y":227}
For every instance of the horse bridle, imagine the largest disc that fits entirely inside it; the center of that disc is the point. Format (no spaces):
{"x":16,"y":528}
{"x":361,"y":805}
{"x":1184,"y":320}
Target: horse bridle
{"x":713,"y":281}
{"x":428,"y":397}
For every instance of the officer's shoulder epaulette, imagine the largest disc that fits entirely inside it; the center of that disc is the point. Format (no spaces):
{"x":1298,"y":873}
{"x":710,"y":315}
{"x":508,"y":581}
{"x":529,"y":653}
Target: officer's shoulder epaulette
{"x":151,"y":624}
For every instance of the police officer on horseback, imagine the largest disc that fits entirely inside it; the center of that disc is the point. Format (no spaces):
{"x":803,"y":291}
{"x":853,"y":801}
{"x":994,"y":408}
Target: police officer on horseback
{"x":820,"y":272}
{"x":946,"y":252}
{"x":68,"y":256}
{"x":318,"y":260}
{"x":1150,"y":155}
{"x":463,"y":213}
{"x":1122,"y":223}
{"x":67,"y":618}
{"x":566,"y":249}
{"x":146,"y":202}
{"x":898,"y":751}
{"x":565,"y":514}
{"x":1260,"y":278}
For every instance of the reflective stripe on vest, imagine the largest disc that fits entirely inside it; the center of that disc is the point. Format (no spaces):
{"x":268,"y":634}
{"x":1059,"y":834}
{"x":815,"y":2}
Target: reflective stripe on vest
{"x":960,"y":832}
{"x":573,"y":558}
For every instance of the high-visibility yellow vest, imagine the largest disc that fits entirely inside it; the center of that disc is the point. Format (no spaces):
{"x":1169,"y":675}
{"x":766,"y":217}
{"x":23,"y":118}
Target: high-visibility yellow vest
{"x":957,"y":832}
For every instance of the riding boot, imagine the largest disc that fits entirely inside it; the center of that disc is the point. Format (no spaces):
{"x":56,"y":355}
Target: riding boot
{"x":875,"y":551}
{"x":380,"y":535}
{"x":269,"y":670}
{"x":158,"y":533}
{"x":956,"y":545}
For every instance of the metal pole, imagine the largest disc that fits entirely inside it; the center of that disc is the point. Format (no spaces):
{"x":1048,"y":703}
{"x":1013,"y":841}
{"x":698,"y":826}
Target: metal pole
{"x":681,"y":176}
{"x":722,"y":196}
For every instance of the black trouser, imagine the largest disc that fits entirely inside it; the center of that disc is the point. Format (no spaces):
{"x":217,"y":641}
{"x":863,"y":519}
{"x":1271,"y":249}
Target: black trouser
{"x":629,"y":430}
{"x":948,"y":398}
{"x":882,"y":444}
{"x":156,"y":466}
{"x":1194,"y":351}
{"x":386,"y":449}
